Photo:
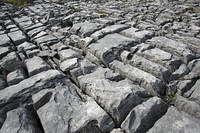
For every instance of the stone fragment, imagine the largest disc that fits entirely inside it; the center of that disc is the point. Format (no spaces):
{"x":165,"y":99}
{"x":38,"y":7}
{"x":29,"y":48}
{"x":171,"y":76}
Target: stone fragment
{"x":33,"y":27}
{"x":20,"y":120}
{"x":64,"y":109}
{"x":139,"y":35}
{"x":4,"y":51}
{"x":107,"y":48}
{"x":85,"y":29}
{"x":26,"y":46}
{"x":184,"y":86}
{"x":118,"y":130}
{"x":40,"y":34}
{"x":35,"y":31}
{"x":16,"y":76}
{"x":143,"y":116}
{"x":181,"y":71}
{"x":185,"y":105}
{"x":105,"y":21}
{"x":196,"y":91}
{"x":159,"y":56}
{"x":69,"y":64}
{"x":26,"y":24}
{"x":48,"y":39}
{"x":174,"y":47}
{"x":5,"y":41}
{"x":22,"y":19}
{"x":36,"y":65}
{"x":84,"y":68}
{"x":175,"y":121}
{"x":194,"y":66}
{"x":47,"y":53}
{"x":32,"y":53}
{"x":2,"y":82}
{"x":26,"y":88}
{"x":146,"y":80}
{"x":17,"y":37}
{"x":108,"y":30}
{"x":148,"y":66}
{"x":11,"y":62}
{"x":67,"y":54}
{"x":115,"y":94}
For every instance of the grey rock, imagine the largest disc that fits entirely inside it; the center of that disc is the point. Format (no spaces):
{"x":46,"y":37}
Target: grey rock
{"x":148,"y":66}
{"x":184,"y":86}
{"x":164,"y":18}
{"x":118,"y":130}
{"x":28,"y":87}
{"x":108,"y":30}
{"x":21,"y":19}
{"x":2,"y":82}
{"x":194,"y":66}
{"x":115,"y":94}
{"x":185,"y":105}
{"x":58,"y":46}
{"x":192,"y":41}
{"x":11,"y":62}
{"x":5,"y":41}
{"x":4,"y":51}
{"x":175,"y":47}
{"x":48,"y":39}
{"x":146,"y":80}
{"x":40,"y":34}
{"x":175,"y":121}
{"x":196,"y":91}
{"x":67,"y":54}
{"x":87,"y":67}
{"x":17,"y":37}
{"x":2,"y":117}
{"x":107,"y":48}
{"x":20,"y":120}
{"x":85,"y":42}
{"x":159,"y":56}
{"x":181,"y":71}
{"x":69,"y":64}
{"x":64,"y":109}
{"x":26,"y":46}
{"x":25,"y":24}
{"x":191,"y":75}
{"x":33,"y":27}
{"x":92,"y":58}
{"x":139,"y":35}
{"x":16,"y":76}
{"x":35,"y":31}
{"x":36,"y":65}
{"x":143,"y":116}
{"x":147,"y":26}
{"x":105,"y":21}
{"x":47,"y":53}
{"x":32,"y":53}
{"x":85,"y":29}
{"x":84,"y":68}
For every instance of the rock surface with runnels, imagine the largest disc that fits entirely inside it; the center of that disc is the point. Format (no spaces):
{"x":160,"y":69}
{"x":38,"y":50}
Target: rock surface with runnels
{"x":100,"y":66}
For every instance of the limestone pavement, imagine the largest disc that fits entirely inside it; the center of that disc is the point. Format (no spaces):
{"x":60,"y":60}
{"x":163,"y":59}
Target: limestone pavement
{"x":100,"y":67}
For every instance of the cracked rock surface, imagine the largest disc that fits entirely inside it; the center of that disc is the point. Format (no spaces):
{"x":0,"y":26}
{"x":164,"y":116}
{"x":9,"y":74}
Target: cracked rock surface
{"x":100,"y":66}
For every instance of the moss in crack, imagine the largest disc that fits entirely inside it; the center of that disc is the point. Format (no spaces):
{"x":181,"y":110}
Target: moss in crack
{"x":60,"y":2}
{"x":170,"y":97}
{"x":17,"y":2}
{"x":103,"y":12}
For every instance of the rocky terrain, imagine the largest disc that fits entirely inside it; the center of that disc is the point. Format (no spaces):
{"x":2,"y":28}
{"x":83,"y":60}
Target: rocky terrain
{"x":102,"y":66}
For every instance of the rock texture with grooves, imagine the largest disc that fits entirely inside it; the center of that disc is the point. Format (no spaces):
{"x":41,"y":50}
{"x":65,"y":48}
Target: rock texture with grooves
{"x":100,"y":66}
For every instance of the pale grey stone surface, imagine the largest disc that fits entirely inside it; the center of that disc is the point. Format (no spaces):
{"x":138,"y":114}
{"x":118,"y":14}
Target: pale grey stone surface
{"x":65,"y":110}
{"x":176,"y":122}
